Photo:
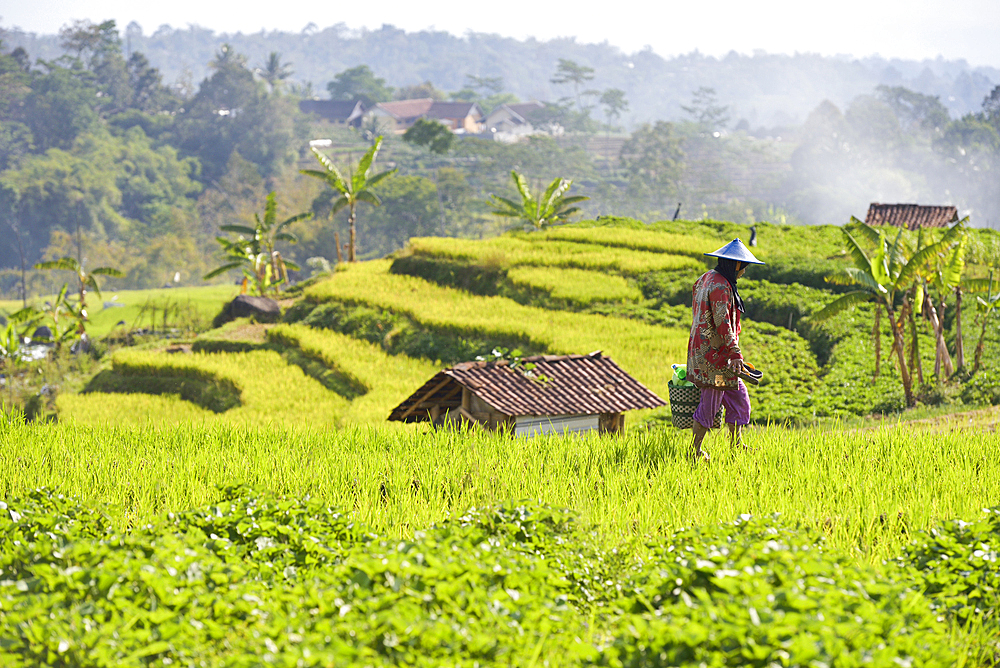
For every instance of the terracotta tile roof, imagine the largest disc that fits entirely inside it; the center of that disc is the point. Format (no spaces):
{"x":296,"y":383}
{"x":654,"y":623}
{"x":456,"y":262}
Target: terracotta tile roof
{"x":577,"y":384}
{"x":407,"y":108}
{"x":911,"y":216}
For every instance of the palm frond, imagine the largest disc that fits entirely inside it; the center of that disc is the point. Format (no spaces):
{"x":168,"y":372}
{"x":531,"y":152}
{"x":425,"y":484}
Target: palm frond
{"x":522,"y":187}
{"x":108,"y":271}
{"x":64,"y":263}
{"x":368,"y":197}
{"x":956,"y":231}
{"x":855,"y":276}
{"x":365,"y":164}
{"x":331,"y":179}
{"x":875,"y":237}
{"x":240,"y":229}
{"x":917,"y":263}
{"x":294,"y":219}
{"x":375,"y":180}
{"x":840,"y":304}
{"x":566,"y":213}
{"x":339,"y":204}
{"x":574,"y":199}
{"x":331,"y":175}
{"x":91,"y":282}
{"x":554,"y":192}
{"x":858,"y":254}
{"x":513,"y":208}
{"x":880,"y":265}
{"x":895,"y":255}
{"x":956,"y":264}
{"x":221,"y":270}
{"x":270,"y":209}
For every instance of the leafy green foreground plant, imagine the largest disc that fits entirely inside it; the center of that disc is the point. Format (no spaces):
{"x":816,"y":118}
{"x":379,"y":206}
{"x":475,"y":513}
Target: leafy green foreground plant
{"x":290,"y":582}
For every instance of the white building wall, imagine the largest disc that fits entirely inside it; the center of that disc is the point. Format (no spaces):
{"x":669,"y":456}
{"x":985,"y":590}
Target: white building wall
{"x":531,"y":425}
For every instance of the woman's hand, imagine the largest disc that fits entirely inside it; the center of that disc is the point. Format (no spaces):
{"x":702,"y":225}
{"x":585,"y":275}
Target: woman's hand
{"x":736,"y":366}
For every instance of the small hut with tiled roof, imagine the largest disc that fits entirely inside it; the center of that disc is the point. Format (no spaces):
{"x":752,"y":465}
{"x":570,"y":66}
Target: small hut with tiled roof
{"x":911,"y":216}
{"x":559,"y":393}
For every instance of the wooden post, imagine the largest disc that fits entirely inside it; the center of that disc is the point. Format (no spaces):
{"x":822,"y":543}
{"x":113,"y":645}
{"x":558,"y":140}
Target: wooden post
{"x":336,"y":240}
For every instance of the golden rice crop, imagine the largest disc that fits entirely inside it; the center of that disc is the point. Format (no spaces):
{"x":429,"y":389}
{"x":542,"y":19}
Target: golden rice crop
{"x":98,"y":408}
{"x":575,"y":286}
{"x":509,"y":251}
{"x":639,"y":240}
{"x":271,"y":389}
{"x":388,"y":379}
{"x":646,"y":351}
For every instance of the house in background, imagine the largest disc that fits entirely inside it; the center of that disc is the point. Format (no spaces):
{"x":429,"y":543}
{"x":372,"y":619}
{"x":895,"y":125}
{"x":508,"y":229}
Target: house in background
{"x":911,"y":216}
{"x":510,"y":123}
{"x":341,"y":112}
{"x":459,"y":117}
{"x":560,"y":394}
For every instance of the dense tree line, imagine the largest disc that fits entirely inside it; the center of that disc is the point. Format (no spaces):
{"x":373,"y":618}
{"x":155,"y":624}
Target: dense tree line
{"x":102,"y":161}
{"x":765,"y":88}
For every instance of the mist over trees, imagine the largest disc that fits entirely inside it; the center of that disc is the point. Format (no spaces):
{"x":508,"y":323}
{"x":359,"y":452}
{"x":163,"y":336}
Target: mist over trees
{"x":108,"y":158}
{"x":766,"y":89}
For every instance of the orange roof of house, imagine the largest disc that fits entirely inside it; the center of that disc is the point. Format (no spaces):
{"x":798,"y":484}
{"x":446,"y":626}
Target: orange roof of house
{"x":911,"y":216}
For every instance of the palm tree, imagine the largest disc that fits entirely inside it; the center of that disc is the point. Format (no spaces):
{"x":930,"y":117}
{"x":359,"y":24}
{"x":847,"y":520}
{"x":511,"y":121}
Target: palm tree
{"x":226,"y":57}
{"x":273,"y":71}
{"x":881,"y":279}
{"x":354,"y":189}
{"x":254,"y":251}
{"x":87,"y":279}
{"x":549,"y":209}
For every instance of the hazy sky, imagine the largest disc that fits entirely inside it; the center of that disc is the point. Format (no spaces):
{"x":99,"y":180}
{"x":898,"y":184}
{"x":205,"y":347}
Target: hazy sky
{"x":917,"y":29}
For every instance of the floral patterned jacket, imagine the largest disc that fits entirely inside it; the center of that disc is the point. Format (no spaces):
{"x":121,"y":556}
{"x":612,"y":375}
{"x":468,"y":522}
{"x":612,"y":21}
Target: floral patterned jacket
{"x":715,"y":333}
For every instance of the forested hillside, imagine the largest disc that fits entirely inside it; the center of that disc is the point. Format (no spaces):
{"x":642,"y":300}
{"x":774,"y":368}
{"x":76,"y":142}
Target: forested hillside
{"x":105,"y":158}
{"x":766,"y":89}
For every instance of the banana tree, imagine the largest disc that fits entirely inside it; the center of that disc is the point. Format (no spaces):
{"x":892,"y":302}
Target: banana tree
{"x":941,"y":278}
{"x":354,"y":189}
{"x":987,"y":309}
{"x":881,"y":279}
{"x":254,"y":250}
{"x":550,"y":208}
{"x":87,"y":279}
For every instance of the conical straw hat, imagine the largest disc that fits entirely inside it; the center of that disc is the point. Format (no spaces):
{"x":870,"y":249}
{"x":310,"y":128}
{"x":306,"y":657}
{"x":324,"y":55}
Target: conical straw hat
{"x":735,"y":250}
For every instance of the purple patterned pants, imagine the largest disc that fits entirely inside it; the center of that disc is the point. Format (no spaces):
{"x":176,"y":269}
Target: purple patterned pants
{"x":736,"y":401}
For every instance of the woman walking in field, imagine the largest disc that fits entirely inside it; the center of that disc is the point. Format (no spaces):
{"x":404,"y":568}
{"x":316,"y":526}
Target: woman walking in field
{"x":715,"y":361}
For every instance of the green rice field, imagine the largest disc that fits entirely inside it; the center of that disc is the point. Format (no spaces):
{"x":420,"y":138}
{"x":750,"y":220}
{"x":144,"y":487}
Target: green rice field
{"x":234,"y":496}
{"x":305,"y":546}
